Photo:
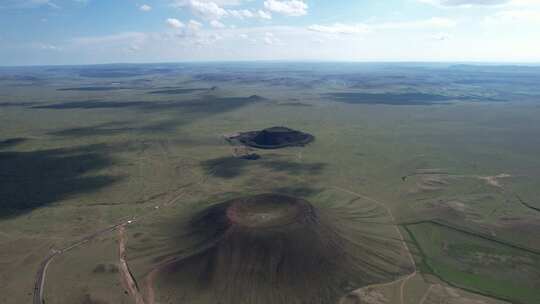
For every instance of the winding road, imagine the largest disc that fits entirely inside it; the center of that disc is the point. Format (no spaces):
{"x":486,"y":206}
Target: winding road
{"x":39,"y":283}
{"x":42,"y":271}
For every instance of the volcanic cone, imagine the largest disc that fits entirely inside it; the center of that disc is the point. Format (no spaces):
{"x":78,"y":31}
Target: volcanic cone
{"x":275,"y":138}
{"x":272,"y":248}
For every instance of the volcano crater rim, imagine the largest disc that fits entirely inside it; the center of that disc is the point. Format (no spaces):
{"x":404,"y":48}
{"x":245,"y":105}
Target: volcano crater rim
{"x":268,"y":211}
{"x":274,"y":138}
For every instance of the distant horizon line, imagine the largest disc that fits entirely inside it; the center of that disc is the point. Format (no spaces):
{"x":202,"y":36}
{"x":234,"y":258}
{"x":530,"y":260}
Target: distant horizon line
{"x":469,"y":62}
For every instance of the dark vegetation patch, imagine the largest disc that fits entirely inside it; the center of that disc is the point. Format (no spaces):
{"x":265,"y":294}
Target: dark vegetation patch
{"x":186,"y":111}
{"x":391,"y":98}
{"x":121,"y":71}
{"x":256,"y":98}
{"x":299,"y":191}
{"x":293,"y":168}
{"x":91,"y":299}
{"x":294,"y":104}
{"x":34,"y":179}
{"x":105,"y":268}
{"x":110,"y":73}
{"x":225,"y":167}
{"x":6,"y":143}
{"x":230,"y":167}
{"x":17,"y":104}
{"x":114,"y":128}
{"x":91,"y":89}
{"x":207,"y":104}
{"x":18,"y":78}
{"x":106,"y":129}
{"x":178,"y":91}
{"x":267,"y":77}
{"x":274,"y":138}
{"x":92,"y":104}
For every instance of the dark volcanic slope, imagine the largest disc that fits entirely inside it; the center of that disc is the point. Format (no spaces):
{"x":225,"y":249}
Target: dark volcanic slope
{"x":277,"y":249}
{"x":275,"y":138}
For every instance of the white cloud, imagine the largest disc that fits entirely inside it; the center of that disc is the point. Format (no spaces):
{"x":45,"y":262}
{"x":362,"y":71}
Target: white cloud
{"x":217,"y":24}
{"x":524,"y":3}
{"x":244,"y":13}
{"x":130,"y":37}
{"x":194,"y":25}
{"x":287,"y":7}
{"x":213,"y":10}
{"x":340,"y":28}
{"x":218,"y":2}
{"x":174,"y":23}
{"x":145,"y":8}
{"x":296,"y":43}
{"x":483,"y":3}
{"x":270,"y":39}
{"x":464,"y":3}
{"x":440,"y":37}
{"x":48,"y":47}
{"x":264,"y":15}
{"x":513,"y":17}
{"x":208,"y":10}
{"x":133,"y":48}
{"x":435,"y":22}
{"x":208,"y":39}
{"x":24,"y":4}
{"x":18,"y":4}
{"x":364,"y":28}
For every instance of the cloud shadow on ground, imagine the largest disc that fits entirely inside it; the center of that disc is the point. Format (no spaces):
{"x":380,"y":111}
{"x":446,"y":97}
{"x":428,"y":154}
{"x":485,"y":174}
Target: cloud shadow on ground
{"x":34,"y":179}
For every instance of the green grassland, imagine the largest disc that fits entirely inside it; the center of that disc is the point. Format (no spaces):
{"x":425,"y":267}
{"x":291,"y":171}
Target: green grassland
{"x":478,"y":264}
{"x":82,"y":148}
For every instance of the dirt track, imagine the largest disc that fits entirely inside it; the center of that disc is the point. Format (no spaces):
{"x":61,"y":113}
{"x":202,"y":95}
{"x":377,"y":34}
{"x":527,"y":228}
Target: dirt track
{"x":127,"y":278}
{"x":405,"y":279}
{"x":40,"y":278}
{"x":411,"y":259}
{"x":42,"y":271}
{"x":426,"y":294}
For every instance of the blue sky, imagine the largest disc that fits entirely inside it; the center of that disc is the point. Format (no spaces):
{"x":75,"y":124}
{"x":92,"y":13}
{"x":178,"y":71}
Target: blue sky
{"x":106,"y":31}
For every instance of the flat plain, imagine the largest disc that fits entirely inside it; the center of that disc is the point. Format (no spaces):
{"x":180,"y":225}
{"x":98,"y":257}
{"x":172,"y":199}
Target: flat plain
{"x":102,"y":167}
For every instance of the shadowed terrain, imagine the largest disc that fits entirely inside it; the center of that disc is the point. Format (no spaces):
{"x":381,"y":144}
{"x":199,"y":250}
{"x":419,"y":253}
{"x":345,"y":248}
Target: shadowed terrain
{"x":229,"y":167}
{"x":33,"y":179}
{"x":178,"y":91}
{"x":94,"y":88}
{"x":6,"y":143}
{"x":16,"y":104}
{"x":92,"y":104}
{"x":390,"y":98}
